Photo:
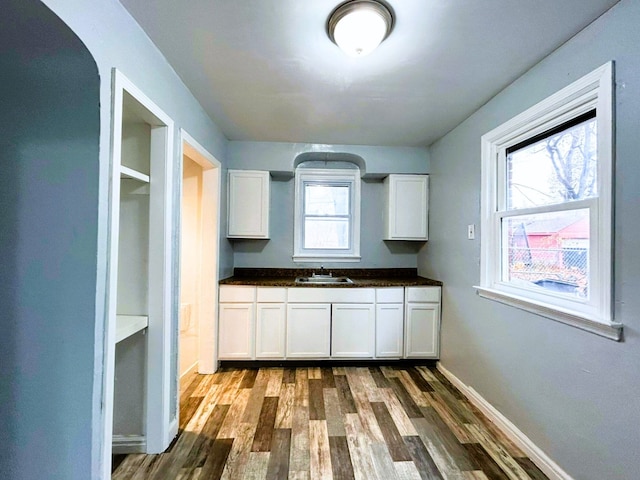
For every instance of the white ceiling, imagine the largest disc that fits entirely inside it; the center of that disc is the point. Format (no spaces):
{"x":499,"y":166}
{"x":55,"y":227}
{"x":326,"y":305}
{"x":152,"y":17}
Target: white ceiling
{"x":265,"y":70}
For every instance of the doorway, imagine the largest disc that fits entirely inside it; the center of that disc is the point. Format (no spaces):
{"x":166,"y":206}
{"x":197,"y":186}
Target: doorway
{"x":199,"y":233}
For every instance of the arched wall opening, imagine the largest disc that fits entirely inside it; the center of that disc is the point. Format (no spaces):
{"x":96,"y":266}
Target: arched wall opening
{"x":50,"y":123}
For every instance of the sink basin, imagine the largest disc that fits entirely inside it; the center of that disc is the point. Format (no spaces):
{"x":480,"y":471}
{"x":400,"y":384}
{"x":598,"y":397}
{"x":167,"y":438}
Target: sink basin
{"x":323,"y":280}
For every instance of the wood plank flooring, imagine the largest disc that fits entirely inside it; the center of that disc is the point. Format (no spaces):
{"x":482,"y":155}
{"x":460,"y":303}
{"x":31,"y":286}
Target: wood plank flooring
{"x":342,"y":423}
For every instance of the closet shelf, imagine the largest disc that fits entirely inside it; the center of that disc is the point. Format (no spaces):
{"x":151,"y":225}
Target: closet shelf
{"x":126,"y":172}
{"x":127,"y":325}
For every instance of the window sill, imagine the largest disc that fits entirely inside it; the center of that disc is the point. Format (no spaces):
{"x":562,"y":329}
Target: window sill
{"x":312,"y":259}
{"x":612,"y":331}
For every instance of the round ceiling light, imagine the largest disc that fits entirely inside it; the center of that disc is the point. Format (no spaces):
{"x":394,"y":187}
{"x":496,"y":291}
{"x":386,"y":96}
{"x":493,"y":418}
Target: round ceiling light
{"x":359,"y":26}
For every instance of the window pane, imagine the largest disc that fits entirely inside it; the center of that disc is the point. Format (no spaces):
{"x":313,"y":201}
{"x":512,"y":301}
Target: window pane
{"x":326,"y":233}
{"x":557,"y":169}
{"x":326,"y":199}
{"x":549,"y":251}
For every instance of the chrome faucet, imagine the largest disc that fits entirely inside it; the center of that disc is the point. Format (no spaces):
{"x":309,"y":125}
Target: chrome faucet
{"x":321,"y":274}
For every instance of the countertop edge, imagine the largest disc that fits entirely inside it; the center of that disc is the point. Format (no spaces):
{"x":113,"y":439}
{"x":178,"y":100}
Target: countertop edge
{"x":357,"y":282}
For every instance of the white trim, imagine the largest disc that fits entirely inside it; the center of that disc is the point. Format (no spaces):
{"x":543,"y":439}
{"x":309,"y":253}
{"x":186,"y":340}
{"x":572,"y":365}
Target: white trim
{"x":173,"y":428}
{"x":159,"y":348}
{"x":351,"y":176}
{"x":545,"y":463}
{"x":191,"y":371}
{"x":208,"y":344}
{"x":158,"y":391}
{"x":593,"y":91}
{"x":128,"y":444}
{"x":334,"y":258}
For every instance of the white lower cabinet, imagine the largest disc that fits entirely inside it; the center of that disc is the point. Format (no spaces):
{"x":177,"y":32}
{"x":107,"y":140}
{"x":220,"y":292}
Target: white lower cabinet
{"x":389,"y":330}
{"x":236,"y":331}
{"x":271,"y":313}
{"x":308,"y":330}
{"x":270,"y":330}
{"x":422,"y":322}
{"x":352,"y":330}
{"x":271,"y":323}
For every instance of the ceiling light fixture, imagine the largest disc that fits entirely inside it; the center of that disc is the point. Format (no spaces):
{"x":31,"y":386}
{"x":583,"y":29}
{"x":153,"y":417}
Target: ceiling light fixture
{"x":359,"y":26}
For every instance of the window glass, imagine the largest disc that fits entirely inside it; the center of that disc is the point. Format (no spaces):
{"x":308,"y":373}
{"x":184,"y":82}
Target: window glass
{"x":326,"y":233}
{"x":558,"y":168}
{"x":326,"y":199}
{"x":548,"y":251}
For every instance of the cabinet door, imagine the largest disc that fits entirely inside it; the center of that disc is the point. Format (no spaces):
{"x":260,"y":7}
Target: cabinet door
{"x":248,"y":207}
{"x":270,"y":324}
{"x":308,"y":330}
{"x":407,"y":207}
{"x":352,"y":330}
{"x":236,"y":330}
{"x":422,"y":330}
{"x":389,"y":321}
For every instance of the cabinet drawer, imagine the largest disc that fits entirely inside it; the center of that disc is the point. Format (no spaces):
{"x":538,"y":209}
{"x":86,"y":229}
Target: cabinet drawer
{"x":272,"y":295}
{"x":423,"y":294}
{"x":389,"y":295}
{"x":237,"y":294}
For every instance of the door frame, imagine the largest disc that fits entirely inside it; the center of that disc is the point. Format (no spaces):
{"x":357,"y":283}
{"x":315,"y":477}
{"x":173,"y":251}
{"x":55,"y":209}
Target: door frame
{"x":159,"y":429}
{"x":211,"y":194}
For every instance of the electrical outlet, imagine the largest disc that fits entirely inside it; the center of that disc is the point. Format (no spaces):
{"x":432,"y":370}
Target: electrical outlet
{"x":471,"y":231}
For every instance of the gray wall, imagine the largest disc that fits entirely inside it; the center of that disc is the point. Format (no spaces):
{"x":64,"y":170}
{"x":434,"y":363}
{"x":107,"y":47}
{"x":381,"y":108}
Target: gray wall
{"x":50,"y":128}
{"x":575,"y":394}
{"x":279,"y":158}
{"x":55,"y":192}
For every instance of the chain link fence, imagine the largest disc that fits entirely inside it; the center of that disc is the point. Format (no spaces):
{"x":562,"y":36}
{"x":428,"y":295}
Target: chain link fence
{"x":562,"y":270}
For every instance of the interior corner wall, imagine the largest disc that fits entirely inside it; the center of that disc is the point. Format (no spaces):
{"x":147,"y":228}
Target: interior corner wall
{"x":50,"y":123}
{"x":576,"y":395}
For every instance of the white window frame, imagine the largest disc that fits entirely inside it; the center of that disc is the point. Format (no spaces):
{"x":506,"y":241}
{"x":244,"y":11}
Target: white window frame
{"x":595,"y":314}
{"x":328,"y":177}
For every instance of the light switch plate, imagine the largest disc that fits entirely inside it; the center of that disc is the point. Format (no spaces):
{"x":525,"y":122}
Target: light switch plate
{"x":471,"y":231}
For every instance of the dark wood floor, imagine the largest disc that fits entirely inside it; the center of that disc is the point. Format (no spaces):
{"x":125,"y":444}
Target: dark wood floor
{"x":339,"y":422}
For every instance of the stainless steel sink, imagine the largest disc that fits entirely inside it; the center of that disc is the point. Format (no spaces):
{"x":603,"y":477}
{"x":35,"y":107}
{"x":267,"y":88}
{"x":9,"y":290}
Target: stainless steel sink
{"x":323,"y":280}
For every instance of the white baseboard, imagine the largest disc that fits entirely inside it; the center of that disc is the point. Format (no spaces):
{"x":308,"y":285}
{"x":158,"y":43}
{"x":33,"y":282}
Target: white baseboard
{"x":173,"y":429}
{"x":550,"y":468}
{"x":129,"y":444}
{"x":193,"y":369}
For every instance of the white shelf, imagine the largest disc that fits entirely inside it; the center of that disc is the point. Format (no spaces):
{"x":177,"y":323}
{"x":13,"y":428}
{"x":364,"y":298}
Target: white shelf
{"x":127,"y":325}
{"x":126,"y":172}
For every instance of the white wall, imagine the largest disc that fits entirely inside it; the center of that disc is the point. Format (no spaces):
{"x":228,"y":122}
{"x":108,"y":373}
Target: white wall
{"x":575,"y":394}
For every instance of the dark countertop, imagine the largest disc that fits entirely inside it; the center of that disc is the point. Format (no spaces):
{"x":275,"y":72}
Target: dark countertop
{"x":362,"y":277}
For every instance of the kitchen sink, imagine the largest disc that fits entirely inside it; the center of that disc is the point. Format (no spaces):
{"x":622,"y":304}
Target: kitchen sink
{"x":323,"y":280}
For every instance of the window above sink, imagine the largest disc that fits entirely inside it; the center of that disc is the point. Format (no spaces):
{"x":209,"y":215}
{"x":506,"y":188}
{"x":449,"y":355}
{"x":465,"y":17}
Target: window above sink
{"x":327,"y":215}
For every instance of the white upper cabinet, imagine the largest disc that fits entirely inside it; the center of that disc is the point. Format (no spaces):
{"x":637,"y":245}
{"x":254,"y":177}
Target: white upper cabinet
{"x":248,"y":206}
{"x":407,"y":208}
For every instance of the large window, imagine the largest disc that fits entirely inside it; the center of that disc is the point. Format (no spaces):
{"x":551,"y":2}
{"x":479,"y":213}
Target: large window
{"x":327,"y":217}
{"x":546,"y":206}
